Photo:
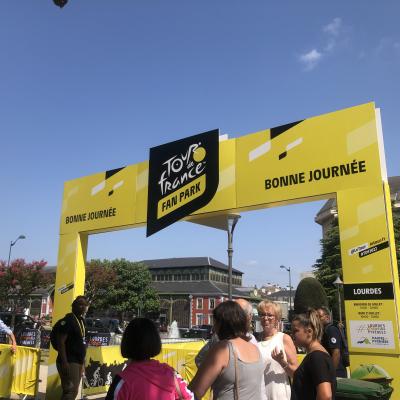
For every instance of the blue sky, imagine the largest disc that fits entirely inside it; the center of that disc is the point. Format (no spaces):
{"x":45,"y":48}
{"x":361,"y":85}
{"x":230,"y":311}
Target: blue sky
{"x":94,"y":85}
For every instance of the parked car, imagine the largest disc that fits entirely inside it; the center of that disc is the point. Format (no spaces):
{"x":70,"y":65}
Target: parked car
{"x":208,"y":328}
{"x":201,"y":332}
{"x":103,"y":325}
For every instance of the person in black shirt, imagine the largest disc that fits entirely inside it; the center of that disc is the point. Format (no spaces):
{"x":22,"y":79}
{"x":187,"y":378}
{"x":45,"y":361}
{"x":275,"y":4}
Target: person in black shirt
{"x":315,"y":378}
{"x":72,"y":349}
{"x":332,"y":341}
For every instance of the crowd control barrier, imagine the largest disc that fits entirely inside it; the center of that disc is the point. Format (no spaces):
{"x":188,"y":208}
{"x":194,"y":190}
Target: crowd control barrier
{"x":19,"y":372}
{"x":103,"y":363}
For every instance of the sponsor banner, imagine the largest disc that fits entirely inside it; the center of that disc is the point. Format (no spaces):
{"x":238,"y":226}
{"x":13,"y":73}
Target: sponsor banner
{"x":183,"y":177}
{"x":27,"y":337}
{"x":98,"y":339}
{"x":374,"y":249}
{"x":372,"y":334}
{"x":368,"y":291}
{"x":65,"y":288}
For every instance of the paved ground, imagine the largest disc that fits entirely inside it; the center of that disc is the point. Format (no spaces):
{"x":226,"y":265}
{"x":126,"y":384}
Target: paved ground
{"x":42,"y":387}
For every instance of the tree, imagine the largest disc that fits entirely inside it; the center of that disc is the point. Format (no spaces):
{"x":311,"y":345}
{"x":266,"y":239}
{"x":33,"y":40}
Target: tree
{"x":18,"y":281}
{"x":329,"y":266}
{"x":100,"y":276}
{"x":132,"y":291}
{"x":309,"y":294}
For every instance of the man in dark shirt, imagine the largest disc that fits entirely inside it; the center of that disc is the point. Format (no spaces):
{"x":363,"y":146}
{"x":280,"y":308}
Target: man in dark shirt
{"x":71,"y":347}
{"x":332,"y":341}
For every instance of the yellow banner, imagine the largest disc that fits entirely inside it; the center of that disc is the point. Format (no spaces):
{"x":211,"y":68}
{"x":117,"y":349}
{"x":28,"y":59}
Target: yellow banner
{"x":19,"y":372}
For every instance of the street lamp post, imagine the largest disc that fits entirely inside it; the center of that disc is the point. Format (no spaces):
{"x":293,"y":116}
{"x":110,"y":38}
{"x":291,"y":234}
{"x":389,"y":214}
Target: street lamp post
{"x":232,"y":220}
{"x":339,"y":283}
{"x":171,"y":302}
{"x":190,"y":310}
{"x":288,"y":269}
{"x":12,"y":243}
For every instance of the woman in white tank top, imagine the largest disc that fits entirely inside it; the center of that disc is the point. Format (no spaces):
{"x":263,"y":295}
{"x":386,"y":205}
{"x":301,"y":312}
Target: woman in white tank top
{"x":278,"y":352}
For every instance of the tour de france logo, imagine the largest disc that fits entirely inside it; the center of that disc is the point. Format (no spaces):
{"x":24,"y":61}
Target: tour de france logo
{"x":183,"y":177}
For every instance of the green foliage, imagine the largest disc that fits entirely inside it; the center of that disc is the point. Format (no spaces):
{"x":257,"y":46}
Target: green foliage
{"x":100,"y":276}
{"x":130,"y":290}
{"x":309,"y":294}
{"x":18,"y":281}
{"x":329,"y":266}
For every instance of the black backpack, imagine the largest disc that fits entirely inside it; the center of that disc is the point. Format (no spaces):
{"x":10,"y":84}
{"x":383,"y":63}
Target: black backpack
{"x":344,"y":350}
{"x":54,"y":333}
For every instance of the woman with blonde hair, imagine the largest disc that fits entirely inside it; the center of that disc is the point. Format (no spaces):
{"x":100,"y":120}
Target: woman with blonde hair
{"x":315,"y":379}
{"x":278,"y":351}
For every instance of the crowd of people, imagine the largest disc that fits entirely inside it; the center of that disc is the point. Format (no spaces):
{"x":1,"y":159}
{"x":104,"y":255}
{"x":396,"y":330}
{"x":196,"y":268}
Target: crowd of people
{"x":233,"y":364}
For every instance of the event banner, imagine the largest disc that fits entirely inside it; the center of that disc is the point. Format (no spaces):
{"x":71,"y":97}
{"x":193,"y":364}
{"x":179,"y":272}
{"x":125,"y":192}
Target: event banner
{"x":183,"y":177}
{"x":27,"y":337}
{"x":98,"y":339}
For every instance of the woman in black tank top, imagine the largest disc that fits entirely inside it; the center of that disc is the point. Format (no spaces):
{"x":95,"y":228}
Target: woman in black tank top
{"x":316,"y":375}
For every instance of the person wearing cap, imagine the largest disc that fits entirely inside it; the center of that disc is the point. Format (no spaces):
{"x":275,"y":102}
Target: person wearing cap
{"x":332,"y":341}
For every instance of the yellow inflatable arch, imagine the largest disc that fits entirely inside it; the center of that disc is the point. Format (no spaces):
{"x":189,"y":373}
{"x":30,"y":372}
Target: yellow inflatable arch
{"x":337,"y":154}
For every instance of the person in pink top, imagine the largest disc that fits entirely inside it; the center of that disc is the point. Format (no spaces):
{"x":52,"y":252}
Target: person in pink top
{"x":144,"y":378}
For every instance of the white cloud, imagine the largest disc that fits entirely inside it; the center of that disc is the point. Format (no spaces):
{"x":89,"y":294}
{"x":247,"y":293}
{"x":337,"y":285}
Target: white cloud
{"x":251,"y":263}
{"x":311,"y":59}
{"x":387,"y":46}
{"x":333,"y":27}
{"x":330,"y":46}
{"x":334,"y":33}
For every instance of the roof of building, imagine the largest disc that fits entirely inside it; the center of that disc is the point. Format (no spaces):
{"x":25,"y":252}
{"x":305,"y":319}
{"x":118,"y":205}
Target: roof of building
{"x":196,"y":288}
{"x":174,"y":263}
{"x":187,"y":262}
{"x":282,"y":293}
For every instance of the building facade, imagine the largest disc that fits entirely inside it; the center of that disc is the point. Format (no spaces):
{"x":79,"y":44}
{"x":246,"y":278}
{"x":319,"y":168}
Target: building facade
{"x":191,"y":287}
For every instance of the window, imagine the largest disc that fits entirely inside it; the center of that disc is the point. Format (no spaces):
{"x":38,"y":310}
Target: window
{"x":199,"y":304}
{"x":211,"y":304}
{"x":199,"y":318}
{"x":210,"y":319}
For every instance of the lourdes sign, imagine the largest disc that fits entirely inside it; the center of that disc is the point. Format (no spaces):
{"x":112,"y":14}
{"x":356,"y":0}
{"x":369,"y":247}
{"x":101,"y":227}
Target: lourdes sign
{"x":198,"y":178}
